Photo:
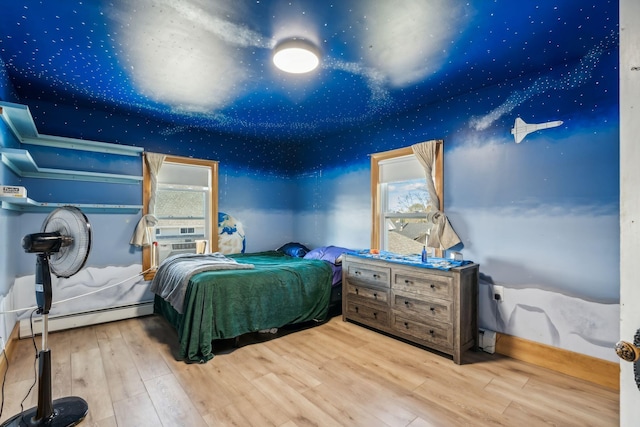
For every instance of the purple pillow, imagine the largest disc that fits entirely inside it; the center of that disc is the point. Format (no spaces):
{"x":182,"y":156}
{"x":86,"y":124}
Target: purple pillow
{"x":331,"y":254}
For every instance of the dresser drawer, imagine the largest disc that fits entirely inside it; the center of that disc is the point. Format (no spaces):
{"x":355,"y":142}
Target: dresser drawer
{"x":373,"y":275}
{"x":372,"y":294}
{"x":437,"y":334}
{"x":427,"y":308}
{"x":374,"y":316}
{"x":422,"y":283}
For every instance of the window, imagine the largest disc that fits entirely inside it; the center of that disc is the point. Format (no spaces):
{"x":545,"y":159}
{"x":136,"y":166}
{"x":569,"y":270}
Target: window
{"x":400,"y":198}
{"x":186,"y":206}
{"x":182,"y":202}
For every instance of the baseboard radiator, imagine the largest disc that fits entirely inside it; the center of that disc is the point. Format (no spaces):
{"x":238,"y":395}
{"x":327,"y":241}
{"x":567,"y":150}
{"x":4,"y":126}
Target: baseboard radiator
{"x":94,"y":317}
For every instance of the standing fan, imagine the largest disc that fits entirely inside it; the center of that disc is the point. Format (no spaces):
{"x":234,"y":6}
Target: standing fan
{"x":62,"y":247}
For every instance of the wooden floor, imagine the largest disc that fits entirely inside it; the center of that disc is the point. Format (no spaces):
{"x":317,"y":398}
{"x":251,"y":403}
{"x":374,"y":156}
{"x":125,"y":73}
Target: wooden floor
{"x":335,"y":374}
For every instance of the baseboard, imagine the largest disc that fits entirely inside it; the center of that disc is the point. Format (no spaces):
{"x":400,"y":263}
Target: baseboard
{"x":9,"y":346}
{"x":75,"y":320}
{"x":588,"y":368}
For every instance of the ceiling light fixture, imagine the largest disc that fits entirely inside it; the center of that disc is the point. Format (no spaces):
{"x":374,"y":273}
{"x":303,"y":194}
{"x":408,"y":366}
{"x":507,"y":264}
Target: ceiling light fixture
{"x":296,"y":56}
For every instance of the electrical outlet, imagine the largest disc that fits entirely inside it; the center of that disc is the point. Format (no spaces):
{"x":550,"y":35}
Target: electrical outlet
{"x":498,"y":293}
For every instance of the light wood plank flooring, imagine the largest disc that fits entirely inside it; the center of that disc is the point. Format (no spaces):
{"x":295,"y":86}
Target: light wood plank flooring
{"x":335,"y":374}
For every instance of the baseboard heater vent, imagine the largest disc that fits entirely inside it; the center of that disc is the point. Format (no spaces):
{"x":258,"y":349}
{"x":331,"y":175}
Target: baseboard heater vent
{"x":75,"y":320}
{"x":487,"y":340}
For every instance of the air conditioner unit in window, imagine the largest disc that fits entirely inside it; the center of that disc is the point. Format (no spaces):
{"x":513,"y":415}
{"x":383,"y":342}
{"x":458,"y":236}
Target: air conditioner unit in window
{"x":167,"y":249}
{"x":179,"y":232}
{"x":177,"y":239}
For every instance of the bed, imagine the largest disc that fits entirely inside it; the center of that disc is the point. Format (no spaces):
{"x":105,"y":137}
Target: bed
{"x":276,"y":290}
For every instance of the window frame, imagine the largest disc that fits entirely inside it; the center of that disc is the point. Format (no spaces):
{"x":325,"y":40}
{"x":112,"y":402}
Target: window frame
{"x":377,"y":197}
{"x":213,"y":203}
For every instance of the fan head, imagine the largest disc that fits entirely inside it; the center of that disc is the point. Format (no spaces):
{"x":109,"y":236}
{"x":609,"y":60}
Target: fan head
{"x":65,"y":237}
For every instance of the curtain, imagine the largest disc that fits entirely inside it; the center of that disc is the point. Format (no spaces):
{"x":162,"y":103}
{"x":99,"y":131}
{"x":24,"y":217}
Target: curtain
{"x":154,"y":163}
{"x":425,"y":152}
{"x":440,"y":233}
{"x":142,"y":234}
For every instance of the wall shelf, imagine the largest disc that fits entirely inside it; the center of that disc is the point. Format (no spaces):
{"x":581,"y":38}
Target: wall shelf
{"x":21,"y":162}
{"x":20,"y":123}
{"x":24,"y":204}
{"x":19,"y":120}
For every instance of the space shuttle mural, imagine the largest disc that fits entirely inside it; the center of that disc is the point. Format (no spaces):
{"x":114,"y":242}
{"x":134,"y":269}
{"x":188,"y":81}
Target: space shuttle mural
{"x":522,"y":129}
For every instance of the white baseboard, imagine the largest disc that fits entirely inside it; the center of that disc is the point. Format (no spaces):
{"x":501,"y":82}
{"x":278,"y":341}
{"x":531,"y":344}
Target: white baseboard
{"x":75,"y":320}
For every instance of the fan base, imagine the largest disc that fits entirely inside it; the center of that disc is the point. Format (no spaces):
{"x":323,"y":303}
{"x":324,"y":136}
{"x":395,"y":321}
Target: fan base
{"x":67,"y":411}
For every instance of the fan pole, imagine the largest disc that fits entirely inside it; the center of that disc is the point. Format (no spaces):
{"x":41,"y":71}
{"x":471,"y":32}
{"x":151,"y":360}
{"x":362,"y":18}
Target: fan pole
{"x":64,"y":412}
{"x":44,"y":295}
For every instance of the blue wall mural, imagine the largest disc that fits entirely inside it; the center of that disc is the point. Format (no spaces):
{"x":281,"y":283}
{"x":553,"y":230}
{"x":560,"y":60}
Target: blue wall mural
{"x":568,"y":170}
{"x":167,"y":71}
{"x":540,"y":215}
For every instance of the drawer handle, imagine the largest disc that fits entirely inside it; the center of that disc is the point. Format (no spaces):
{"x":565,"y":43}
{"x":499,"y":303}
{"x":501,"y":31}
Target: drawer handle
{"x":407,"y":281}
{"x":375,"y":315}
{"x":433,"y":286}
{"x":407,"y":303}
{"x":406,"y":325}
{"x":356,"y":308}
{"x":432,"y":309}
{"x":375,"y":296}
{"x":357,"y":291}
{"x":376,"y":276}
{"x":431,"y":332}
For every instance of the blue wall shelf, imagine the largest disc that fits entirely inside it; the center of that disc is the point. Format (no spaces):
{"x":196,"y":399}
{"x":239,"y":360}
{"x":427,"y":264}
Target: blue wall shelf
{"x":21,"y":162}
{"x":24,"y":204}
{"x":20,"y":123}
{"x":19,"y":120}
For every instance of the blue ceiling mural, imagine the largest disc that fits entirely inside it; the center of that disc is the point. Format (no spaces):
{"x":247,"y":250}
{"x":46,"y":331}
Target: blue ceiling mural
{"x":170,"y":73}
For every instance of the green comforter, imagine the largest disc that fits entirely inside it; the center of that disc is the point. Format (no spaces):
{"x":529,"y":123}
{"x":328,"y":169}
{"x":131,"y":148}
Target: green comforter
{"x":280,"y":290}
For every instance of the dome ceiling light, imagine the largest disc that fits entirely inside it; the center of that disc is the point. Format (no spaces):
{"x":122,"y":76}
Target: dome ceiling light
{"x":296,"y":56}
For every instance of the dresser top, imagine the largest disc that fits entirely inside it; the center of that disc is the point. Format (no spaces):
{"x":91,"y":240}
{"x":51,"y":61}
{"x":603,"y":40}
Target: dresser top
{"x":411,"y":260}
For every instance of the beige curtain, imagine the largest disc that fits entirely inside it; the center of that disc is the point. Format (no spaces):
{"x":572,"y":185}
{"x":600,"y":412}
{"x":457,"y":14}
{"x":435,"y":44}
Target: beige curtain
{"x":142,"y":234}
{"x":425,"y":152}
{"x":441,"y":234}
{"x":154,"y":163}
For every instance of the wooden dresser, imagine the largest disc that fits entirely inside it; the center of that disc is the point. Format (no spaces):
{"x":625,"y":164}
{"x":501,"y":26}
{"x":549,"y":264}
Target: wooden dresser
{"x":434,"y":308}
